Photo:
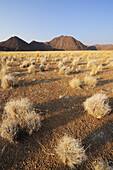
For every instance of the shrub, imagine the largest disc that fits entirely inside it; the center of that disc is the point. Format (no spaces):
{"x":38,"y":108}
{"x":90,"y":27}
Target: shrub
{"x":19,"y":116}
{"x":90,"y":81}
{"x":75,"y":83}
{"x":8,"y":81}
{"x":97,"y":105}
{"x":64,"y":70}
{"x":25,"y":64}
{"x":100,"y":164}
{"x":75,"y":62}
{"x":43,"y":61}
{"x":42,"y":67}
{"x":92,"y":64}
{"x":70,"y":151}
{"x":31,"y":69}
{"x":4,"y":58}
{"x":47,"y":67}
{"x":60,"y":64}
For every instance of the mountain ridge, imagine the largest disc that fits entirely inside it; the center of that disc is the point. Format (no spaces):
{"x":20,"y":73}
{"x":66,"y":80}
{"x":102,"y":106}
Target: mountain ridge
{"x":62,"y":43}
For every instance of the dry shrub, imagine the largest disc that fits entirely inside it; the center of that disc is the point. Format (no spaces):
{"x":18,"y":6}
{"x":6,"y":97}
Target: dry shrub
{"x":90,"y":81}
{"x":75,"y":83}
{"x":42,"y":61}
{"x":70,"y":151}
{"x":42,"y":67}
{"x":96,"y":69}
{"x":75,"y":61}
{"x":110,"y":64}
{"x":31,"y":69}
{"x":92,"y":64}
{"x":8,"y":63}
{"x":75,"y":69}
{"x":97,"y":105}
{"x":19,"y":116}
{"x":3,"y":72}
{"x":4,"y":58}
{"x":64,"y":70}
{"x":8,"y":81}
{"x":25,"y":64}
{"x":65,"y":60}
{"x":100,"y":164}
{"x":47,"y":67}
{"x":60,"y":64}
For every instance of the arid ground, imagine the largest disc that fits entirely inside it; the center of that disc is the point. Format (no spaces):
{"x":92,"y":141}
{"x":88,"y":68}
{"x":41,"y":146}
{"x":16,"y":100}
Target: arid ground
{"x":61,"y":110}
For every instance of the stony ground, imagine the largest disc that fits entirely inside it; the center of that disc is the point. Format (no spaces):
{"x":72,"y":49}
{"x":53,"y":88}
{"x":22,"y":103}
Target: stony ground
{"x":63,"y":113}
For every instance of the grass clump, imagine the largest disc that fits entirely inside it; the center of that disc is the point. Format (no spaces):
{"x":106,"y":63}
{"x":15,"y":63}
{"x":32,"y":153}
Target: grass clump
{"x":64,"y":70}
{"x":19,"y":116}
{"x":90,"y":81}
{"x":75,"y":83}
{"x":8,"y":81}
{"x":97,"y":105}
{"x":100,"y":164}
{"x":70,"y":151}
{"x":31,"y":69}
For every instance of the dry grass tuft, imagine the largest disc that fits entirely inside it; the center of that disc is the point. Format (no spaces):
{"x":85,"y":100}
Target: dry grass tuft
{"x":75,"y":83}
{"x":19,"y":116}
{"x":70,"y":151}
{"x":31,"y":69}
{"x":25,"y":64}
{"x":97,"y":105}
{"x":64,"y":70}
{"x":100,"y":164}
{"x":90,"y":81}
{"x":8,"y":81}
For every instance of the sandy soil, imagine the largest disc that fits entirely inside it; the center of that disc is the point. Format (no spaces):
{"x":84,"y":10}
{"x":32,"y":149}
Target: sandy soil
{"x":63,"y":114}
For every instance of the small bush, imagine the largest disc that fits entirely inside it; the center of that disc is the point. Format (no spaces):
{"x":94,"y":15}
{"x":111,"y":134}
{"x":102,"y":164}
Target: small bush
{"x":8,"y":81}
{"x":60,"y":64}
{"x":43,"y":61}
{"x":100,"y":164}
{"x":42,"y":67}
{"x":97,"y":105}
{"x":90,"y":81}
{"x":92,"y":64}
{"x":19,"y":116}
{"x":75,"y":62}
{"x":75,"y":83}
{"x":64,"y":70}
{"x":31,"y":69}
{"x":25,"y":64}
{"x":70,"y":151}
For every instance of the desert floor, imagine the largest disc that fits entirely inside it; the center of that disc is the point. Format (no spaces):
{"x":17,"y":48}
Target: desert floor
{"x":62,"y":108}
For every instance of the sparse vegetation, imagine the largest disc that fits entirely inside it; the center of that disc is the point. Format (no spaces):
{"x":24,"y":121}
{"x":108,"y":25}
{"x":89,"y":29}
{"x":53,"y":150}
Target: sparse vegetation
{"x":8,"y":81}
{"x":70,"y":151}
{"x":19,"y":116}
{"x":52,"y":93}
{"x":75,"y":83}
{"x":90,"y":81}
{"x":97,"y":105}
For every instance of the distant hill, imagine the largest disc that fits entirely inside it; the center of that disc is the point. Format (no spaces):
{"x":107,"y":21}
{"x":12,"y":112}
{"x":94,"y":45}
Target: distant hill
{"x":15,"y":44}
{"x":59,"y":43}
{"x":64,"y":43}
{"x":101,"y":47}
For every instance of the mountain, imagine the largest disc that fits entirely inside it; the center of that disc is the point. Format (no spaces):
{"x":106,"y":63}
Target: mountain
{"x":59,"y":43}
{"x":101,"y":47}
{"x":39,"y":46}
{"x":15,"y":44}
{"x":66,"y":43}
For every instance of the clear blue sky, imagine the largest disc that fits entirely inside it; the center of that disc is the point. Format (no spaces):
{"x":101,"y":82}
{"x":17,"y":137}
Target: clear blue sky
{"x":90,"y":21}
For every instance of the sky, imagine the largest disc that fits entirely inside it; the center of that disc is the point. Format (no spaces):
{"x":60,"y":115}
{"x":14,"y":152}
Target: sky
{"x":89,"y":21}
